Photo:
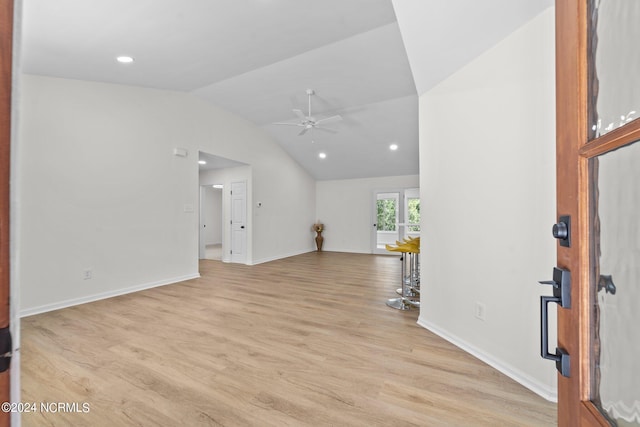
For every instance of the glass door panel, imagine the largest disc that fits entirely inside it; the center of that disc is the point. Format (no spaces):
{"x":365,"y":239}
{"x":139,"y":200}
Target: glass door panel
{"x":614,"y":64}
{"x":412,"y":212}
{"x":387,"y":224}
{"x":616,"y":285}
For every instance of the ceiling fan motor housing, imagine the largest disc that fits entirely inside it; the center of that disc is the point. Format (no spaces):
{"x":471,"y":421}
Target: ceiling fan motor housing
{"x":309,"y":122}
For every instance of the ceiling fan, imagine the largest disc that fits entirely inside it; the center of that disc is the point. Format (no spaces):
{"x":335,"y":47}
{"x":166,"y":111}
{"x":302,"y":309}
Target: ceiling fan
{"x":309,"y":122}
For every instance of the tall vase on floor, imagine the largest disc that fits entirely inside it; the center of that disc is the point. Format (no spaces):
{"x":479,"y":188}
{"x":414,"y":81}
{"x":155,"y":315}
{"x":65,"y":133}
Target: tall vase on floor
{"x":318,"y":227}
{"x":319,"y":241}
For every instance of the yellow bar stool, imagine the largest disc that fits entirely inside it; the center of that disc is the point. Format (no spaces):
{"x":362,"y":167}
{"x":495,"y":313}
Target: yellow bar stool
{"x":410,"y":274}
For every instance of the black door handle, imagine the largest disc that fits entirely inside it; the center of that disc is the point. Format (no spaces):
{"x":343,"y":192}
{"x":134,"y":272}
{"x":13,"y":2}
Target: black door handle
{"x":561,"y":357}
{"x":561,"y":283}
{"x":242,"y":226}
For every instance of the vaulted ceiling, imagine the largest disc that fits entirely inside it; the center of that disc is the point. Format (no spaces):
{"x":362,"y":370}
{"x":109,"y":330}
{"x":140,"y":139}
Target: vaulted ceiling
{"x":256,"y":58}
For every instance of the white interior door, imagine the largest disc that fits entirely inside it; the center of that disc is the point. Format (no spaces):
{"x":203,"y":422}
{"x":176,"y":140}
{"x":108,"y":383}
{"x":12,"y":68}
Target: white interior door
{"x":239,"y":222}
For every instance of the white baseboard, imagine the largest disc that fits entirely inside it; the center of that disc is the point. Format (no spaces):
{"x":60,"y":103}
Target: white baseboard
{"x":103,"y":295}
{"x":349,"y":251}
{"x":515,"y":374}
{"x":277,"y":257}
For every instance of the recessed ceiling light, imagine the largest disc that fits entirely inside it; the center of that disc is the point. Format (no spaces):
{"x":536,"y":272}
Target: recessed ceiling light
{"x":125,"y":59}
{"x":202,"y":162}
{"x":218,"y":186}
{"x":322,"y":155}
{"x":393,"y":147}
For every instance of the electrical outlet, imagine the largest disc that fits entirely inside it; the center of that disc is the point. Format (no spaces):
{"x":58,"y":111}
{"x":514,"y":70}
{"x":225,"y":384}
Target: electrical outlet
{"x":87,"y":274}
{"x":480,"y":310}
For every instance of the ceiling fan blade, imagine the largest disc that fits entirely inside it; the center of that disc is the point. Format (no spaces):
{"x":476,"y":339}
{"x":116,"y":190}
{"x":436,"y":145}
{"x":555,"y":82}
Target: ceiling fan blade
{"x":288,"y":124}
{"x":331,"y":119}
{"x":299,"y":113}
{"x":303,"y":131}
{"x":326,"y":129}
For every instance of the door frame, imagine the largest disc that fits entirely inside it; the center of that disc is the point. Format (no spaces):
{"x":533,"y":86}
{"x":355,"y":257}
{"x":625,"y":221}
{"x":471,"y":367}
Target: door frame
{"x":573,"y":154}
{"x":201,"y":244}
{"x":6,"y":87}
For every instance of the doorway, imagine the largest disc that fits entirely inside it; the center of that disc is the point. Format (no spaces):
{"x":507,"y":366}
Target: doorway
{"x":211,"y":234}
{"x":396,"y":216}
{"x":217,"y":177}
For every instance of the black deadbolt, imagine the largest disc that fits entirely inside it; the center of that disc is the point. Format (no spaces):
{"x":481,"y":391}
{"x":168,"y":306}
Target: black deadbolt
{"x":562,"y":230}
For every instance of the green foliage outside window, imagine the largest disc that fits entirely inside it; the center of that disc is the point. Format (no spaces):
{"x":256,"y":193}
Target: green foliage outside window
{"x":414,"y":214}
{"x":386,"y":215}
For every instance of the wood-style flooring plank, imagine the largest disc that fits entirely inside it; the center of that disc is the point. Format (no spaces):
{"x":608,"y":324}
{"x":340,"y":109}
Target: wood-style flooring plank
{"x":303,"y":341}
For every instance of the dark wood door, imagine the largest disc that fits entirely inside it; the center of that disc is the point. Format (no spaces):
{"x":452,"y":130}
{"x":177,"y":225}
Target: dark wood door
{"x":586,"y":142}
{"x":6,"y":42}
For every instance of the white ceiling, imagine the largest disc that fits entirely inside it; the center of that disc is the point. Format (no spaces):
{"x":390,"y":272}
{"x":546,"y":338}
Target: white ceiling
{"x":442,"y":36}
{"x":256,"y":58}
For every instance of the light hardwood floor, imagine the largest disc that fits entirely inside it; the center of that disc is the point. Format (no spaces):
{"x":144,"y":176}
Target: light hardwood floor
{"x":306,"y":340}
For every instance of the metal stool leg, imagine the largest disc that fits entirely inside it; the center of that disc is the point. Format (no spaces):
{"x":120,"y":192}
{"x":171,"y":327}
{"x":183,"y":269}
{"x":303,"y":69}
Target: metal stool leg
{"x":402,"y":302}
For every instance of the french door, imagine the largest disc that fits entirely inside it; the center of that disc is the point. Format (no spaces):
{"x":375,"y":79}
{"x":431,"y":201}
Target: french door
{"x":598,"y":207}
{"x":386,"y":226}
{"x":396,"y":216}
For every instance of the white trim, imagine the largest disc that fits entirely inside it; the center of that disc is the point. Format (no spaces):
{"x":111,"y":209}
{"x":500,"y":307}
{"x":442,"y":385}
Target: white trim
{"x":103,"y":295}
{"x":350,"y":251}
{"x":515,"y":374}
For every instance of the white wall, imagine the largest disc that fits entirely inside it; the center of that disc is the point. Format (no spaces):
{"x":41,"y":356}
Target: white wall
{"x":487,"y":162}
{"x":345,"y":207}
{"x":101,"y":189}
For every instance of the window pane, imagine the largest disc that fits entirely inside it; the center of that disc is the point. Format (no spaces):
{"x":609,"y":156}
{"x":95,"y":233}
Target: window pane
{"x":614,"y":65}
{"x":616,"y":285}
{"x":387,"y":214}
{"x":414,"y":211}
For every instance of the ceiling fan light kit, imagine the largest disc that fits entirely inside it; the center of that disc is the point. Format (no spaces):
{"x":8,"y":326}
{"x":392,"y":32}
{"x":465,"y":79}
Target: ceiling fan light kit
{"x":309,"y":122}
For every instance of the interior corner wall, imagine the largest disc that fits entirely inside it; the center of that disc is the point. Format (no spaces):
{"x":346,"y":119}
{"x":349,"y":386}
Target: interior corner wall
{"x":101,"y":189}
{"x":487,"y":162}
{"x":345,"y":207}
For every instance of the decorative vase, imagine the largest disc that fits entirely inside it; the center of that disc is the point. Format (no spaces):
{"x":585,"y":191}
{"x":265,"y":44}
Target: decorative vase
{"x":319,"y":240}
